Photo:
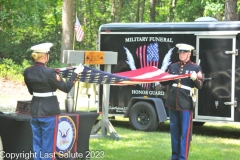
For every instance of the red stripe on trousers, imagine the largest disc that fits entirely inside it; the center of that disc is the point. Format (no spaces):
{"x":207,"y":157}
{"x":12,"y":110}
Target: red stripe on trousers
{"x":188,"y":136}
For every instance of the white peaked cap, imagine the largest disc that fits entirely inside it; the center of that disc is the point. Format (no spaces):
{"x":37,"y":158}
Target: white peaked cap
{"x":182,"y":46}
{"x":42,"y":48}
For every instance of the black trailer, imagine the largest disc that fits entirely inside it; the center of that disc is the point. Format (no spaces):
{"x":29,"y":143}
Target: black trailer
{"x":216,"y":50}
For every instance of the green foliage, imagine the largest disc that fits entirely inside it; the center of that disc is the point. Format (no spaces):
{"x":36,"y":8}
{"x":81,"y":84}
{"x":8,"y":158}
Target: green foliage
{"x":56,"y":64}
{"x":215,"y":9}
{"x":162,"y":11}
{"x":238,"y":6}
{"x":188,"y":10}
{"x":25,"y":23}
{"x":32,"y":23}
{"x":12,"y":71}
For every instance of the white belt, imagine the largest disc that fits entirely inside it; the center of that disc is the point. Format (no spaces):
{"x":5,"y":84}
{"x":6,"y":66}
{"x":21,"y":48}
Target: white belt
{"x":187,"y":88}
{"x":182,"y":86}
{"x":46,"y":94}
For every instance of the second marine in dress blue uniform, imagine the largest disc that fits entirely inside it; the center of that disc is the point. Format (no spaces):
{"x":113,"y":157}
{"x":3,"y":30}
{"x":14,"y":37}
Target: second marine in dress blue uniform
{"x":180,"y":102}
{"x":181,"y":99}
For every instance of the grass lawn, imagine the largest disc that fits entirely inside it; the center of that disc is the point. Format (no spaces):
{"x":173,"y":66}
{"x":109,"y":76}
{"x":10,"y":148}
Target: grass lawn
{"x":210,"y":142}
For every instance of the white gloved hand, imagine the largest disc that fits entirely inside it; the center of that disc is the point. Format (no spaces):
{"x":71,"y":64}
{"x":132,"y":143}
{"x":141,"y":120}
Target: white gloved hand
{"x":79,"y":68}
{"x":156,"y":84}
{"x":193,"y":76}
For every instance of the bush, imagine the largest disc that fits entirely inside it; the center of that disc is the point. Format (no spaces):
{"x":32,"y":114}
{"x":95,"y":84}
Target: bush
{"x":12,"y":71}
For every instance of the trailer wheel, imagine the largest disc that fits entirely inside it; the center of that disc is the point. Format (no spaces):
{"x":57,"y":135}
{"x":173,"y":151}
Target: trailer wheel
{"x":142,"y":116}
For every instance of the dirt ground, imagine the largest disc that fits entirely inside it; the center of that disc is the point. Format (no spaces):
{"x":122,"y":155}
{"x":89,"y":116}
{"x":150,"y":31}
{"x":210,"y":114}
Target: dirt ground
{"x":10,"y":93}
{"x":8,"y":88}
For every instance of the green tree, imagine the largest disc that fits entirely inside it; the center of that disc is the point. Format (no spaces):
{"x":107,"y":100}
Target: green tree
{"x":188,"y":10}
{"x":37,"y":21}
{"x":214,"y":9}
{"x":34,"y":22}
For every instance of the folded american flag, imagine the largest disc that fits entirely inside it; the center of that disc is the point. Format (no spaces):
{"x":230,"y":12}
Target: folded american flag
{"x":149,"y":74}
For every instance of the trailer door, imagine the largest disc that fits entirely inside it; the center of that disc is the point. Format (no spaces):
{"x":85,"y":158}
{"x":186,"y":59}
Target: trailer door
{"x":216,"y":98}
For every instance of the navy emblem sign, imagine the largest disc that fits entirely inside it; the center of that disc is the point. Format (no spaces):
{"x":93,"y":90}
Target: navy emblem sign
{"x":66,"y":135}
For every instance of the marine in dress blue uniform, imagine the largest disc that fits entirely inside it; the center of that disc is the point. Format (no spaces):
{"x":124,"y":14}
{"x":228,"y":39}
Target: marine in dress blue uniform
{"x":42,"y":82}
{"x":180,"y":101}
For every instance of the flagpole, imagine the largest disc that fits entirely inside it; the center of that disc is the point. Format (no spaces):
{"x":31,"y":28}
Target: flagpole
{"x":69,"y":102}
{"x":74,"y":33}
{"x":78,"y":36}
{"x":74,"y":40}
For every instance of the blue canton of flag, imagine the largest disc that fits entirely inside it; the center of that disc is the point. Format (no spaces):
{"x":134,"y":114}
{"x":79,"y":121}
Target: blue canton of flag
{"x":152,"y":52}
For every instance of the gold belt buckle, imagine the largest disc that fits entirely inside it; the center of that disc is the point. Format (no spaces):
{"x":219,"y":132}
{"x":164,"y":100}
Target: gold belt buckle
{"x":179,"y":85}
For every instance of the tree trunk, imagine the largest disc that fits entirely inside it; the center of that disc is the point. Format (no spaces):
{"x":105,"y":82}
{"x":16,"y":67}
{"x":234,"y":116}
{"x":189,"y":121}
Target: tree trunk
{"x":231,"y":10}
{"x":152,"y":10}
{"x":113,"y":11}
{"x":171,"y":10}
{"x":137,"y":11}
{"x":67,"y":25}
{"x":2,"y":25}
{"x":120,"y":10}
{"x":142,"y":11}
{"x":90,"y":20}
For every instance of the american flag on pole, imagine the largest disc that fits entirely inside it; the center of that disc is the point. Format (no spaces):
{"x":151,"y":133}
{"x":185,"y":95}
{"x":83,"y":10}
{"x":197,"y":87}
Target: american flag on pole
{"x":79,"y":30}
{"x":149,"y":74}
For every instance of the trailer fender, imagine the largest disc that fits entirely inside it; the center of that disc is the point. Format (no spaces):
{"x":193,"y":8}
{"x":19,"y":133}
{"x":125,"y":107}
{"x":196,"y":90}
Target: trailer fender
{"x":157,"y":103}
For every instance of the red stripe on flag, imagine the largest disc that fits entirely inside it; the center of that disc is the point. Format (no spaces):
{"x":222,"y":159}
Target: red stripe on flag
{"x":79,"y":30}
{"x":141,"y":56}
{"x":148,"y":74}
{"x":144,"y":55}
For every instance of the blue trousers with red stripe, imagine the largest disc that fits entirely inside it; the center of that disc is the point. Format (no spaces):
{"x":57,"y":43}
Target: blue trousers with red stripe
{"x":43,"y":130}
{"x":180,"y":129}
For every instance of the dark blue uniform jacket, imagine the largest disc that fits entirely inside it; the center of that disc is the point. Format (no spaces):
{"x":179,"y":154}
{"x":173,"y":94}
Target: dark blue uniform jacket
{"x":179,"y":98}
{"x":42,"y":79}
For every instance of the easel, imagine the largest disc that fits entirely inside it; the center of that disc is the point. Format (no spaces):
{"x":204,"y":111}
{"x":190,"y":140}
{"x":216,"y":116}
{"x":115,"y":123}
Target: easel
{"x":97,"y":57}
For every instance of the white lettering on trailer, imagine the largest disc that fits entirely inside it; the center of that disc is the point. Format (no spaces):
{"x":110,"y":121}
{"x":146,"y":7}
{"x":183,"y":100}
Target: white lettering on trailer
{"x":160,"y":39}
{"x":118,"y":109}
{"x":136,"y":39}
{"x":150,"y":39}
{"x":156,"y":93}
{"x":140,"y":92}
{"x":144,"y":92}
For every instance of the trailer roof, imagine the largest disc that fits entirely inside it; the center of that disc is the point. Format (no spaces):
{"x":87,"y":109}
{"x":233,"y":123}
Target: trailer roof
{"x":168,"y":26}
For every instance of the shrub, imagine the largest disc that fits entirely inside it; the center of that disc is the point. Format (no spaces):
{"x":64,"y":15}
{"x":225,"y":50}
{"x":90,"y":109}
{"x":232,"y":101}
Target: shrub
{"x":12,"y":71}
